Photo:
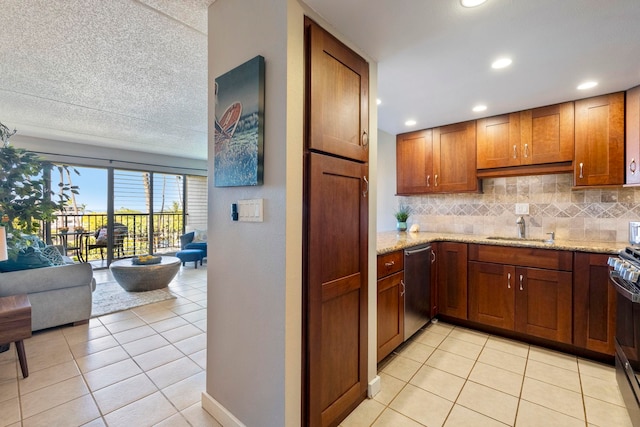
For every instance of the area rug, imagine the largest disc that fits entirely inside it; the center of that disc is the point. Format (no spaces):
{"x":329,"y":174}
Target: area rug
{"x":109,"y":297}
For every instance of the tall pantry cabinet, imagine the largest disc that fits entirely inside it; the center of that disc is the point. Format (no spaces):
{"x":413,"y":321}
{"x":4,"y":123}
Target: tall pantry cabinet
{"x":336,"y":228}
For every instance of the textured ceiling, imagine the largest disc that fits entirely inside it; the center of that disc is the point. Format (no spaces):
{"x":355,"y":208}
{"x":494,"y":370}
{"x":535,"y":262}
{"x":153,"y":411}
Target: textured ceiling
{"x":124,"y":74}
{"x":132,"y":74}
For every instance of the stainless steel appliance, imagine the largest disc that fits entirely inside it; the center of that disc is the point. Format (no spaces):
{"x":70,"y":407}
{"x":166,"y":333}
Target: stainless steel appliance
{"x":417,"y":288}
{"x":625,"y":277}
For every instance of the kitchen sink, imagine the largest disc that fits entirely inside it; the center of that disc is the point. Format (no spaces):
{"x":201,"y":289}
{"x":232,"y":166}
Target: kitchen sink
{"x":519,"y":239}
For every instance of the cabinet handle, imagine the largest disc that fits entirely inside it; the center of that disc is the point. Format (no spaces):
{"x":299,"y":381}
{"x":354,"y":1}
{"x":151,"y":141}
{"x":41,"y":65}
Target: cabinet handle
{"x":526,"y":150}
{"x":632,"y":166}
{"x":403,"y":288}
{"x":436,"y":179}
{"x":365,"y":139}
{"x":366,"y":190}
{"x":521,"y":277}
{"x":508,"y":280}
{"x":581,"y":167}
{"x":433,"y":257}
{"x":389,"y":264}
{"x":515,"y":152}
{"x":428,"y":180}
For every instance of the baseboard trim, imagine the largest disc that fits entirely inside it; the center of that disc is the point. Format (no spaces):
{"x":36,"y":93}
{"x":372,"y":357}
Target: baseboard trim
{"x":219,"y":412}
{"x":374,"y":387}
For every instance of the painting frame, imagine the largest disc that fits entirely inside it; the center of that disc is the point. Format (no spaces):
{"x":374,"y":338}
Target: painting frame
{"x":239,"y":125}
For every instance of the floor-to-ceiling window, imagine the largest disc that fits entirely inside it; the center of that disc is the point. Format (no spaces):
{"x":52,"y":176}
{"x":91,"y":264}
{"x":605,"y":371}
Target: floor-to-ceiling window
{"x":145,"y":211}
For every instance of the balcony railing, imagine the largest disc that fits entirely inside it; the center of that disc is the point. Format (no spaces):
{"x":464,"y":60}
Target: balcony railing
{"x":135,"y":240}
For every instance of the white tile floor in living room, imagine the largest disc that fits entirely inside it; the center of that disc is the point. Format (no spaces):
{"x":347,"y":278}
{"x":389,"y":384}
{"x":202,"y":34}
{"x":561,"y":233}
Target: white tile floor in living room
{"x":450,"y":376}
{"x":146,"y":366}
{"x":143,"y":366}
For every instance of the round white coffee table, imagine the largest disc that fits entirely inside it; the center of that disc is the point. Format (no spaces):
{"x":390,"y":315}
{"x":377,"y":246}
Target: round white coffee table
{"x":139,"y":278}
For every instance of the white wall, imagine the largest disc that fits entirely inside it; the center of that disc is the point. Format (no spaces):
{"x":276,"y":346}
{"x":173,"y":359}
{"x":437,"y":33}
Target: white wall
{"x":248,"y":262}
{"x":91,"y":155}
{"x":386,"y":188}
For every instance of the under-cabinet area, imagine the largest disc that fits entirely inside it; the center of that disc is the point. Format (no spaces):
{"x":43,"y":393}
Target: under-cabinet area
{"x":554,"y":296}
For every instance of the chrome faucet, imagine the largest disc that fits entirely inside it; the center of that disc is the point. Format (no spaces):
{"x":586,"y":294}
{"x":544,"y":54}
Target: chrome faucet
{"x":520,"y":225}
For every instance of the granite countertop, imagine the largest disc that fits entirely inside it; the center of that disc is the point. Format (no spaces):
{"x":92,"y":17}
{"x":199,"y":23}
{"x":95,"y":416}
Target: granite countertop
{"x":390,"y":241}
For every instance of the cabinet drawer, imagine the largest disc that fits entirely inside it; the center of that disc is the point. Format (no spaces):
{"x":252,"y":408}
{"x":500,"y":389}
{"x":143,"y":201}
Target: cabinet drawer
{"x":390,"y":263}
{"x":526,"y":257}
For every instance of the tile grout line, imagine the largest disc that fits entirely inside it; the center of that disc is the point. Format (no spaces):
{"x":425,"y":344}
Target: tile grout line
{"x":130,"y":357}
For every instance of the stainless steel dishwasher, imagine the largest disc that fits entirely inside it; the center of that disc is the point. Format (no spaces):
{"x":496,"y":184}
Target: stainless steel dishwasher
{"x":417,"y":288}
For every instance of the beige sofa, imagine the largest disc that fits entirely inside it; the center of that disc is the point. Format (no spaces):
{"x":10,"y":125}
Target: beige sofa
{"x":58,"y":295}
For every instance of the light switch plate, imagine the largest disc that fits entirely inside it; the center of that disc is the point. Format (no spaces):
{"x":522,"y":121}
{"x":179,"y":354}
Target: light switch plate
{"x":522,"y":208}
{"x":251,"y":210}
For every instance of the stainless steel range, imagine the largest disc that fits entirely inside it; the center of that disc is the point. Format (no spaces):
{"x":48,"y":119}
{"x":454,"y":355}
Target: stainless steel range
{"x":625,"y":277}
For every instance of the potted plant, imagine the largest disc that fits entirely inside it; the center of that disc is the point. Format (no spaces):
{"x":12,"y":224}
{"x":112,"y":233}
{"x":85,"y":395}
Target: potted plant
{"x":402,"y":214}
{"x":25,"y":194}
{"x":63,"y":230}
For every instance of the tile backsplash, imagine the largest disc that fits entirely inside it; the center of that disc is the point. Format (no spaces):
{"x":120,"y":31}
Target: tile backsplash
{"x":600,"y":215}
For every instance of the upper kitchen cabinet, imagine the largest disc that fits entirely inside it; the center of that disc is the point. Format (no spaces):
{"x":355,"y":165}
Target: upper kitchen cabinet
{"x":414,"y":161}
{"x":547,"y":134}
{"x":532,"y":137}
{"x":633,"y":136}
{"x":338,"y":107}
{"x":439,"y":160}
{"x":599,"y":141}
{"x":454,"y":155}
{"x":499,"y":141}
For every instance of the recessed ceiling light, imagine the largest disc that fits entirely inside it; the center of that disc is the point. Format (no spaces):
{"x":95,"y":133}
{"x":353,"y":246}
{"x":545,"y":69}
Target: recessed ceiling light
{"x":501,"y":63}
{"x":471,"y":3}
{"x":479,"y":108}
{"x":378,"y":101}
{"x":587,"y":85}
{"x":410,"y":123}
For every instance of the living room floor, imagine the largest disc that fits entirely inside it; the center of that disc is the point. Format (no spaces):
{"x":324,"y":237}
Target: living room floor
{"x":146,"y":366}
{"x":143,"y":366}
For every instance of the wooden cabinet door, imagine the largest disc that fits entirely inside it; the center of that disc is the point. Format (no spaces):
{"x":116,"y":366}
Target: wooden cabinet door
{"x":594,"y":304}
{"x":338,"y":102}
{"x":547,"y":134}
{"x":491,"y":294}
{"x":498,"y":141}
{"x":452,"y":279}
{"x":414,"y":162}
{"x":632,"y":168}
{"x":336,"y":292}
{"x":599,"y":140}
{"x":544,"y":304}
{"x":454,"y":154}
{"x":390,"y":314}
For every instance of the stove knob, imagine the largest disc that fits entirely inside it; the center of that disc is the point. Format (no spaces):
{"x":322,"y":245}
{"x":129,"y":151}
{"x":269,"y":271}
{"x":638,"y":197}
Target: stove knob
{"x":627,"y":274}
{"x":612,"y":261}
{"x":634,"y":275}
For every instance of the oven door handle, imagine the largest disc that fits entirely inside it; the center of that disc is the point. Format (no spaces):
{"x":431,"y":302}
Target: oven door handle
{"x":631,"y":296}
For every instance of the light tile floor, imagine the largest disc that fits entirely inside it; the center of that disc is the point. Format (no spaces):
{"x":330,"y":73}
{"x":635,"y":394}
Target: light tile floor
{"x":146,"y":366}
{"x":453,"y":377}
{"x":140,"y":367}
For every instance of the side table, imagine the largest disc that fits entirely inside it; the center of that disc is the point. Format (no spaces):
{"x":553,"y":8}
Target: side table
{"x":15,"y":325}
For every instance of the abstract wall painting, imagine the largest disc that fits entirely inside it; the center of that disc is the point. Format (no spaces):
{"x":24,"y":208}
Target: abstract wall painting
{"x":239,"y":126}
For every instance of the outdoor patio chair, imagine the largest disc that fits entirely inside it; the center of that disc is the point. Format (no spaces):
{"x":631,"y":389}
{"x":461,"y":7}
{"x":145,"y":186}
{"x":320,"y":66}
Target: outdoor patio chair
{"x":99,"y":240}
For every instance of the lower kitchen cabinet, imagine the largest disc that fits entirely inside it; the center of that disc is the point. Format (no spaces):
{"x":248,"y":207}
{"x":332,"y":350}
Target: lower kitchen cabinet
{"x":491,"y":296}
{"x":390,"y":304}
{"x":594,"y":302}
{"x":451,"y":259}
{"x":543,"y":303}
{"x":523,"y":298}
